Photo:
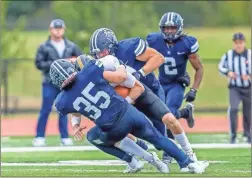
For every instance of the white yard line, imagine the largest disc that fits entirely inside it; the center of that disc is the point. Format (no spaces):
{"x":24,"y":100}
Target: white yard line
{"x":92,"y":148}
{"x":86,"y":163}
{"x":240,"y":171}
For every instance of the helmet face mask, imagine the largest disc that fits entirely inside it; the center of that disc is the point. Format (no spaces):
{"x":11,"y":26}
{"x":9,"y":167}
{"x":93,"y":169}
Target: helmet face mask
{"x":171,"y":26}
{"x":103,"y":42}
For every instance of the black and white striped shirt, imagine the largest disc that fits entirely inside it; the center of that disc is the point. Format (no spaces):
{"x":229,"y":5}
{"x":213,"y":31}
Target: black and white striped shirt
{"x":240,"y":64}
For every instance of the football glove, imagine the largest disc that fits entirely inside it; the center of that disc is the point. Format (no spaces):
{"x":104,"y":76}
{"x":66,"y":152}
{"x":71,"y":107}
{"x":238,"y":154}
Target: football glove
{"x":191,"y":95}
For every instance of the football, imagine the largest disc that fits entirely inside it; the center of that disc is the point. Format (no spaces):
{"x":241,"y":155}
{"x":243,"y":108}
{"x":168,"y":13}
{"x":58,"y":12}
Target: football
{"x":122,"y":91}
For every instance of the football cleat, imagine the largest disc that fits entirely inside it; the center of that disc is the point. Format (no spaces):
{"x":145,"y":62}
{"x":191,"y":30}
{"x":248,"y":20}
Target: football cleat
{"x":66,"y":142}
{"x":134,"y":166}
{"x":39,"y":142}
{"x":198,"y":167}
{"x":166,"y":158}
{"x":161,"y":166}
{"x":190,"y":119}
{"x":192,"y":156}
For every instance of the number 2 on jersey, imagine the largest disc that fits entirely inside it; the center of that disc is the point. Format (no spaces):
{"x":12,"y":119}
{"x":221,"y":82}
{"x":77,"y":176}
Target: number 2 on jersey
{"x":88,"y":99}
{"x":169,"y":66}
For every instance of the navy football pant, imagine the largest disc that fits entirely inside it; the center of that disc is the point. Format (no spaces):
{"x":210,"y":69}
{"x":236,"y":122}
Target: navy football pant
{"x":174,"y":95}
{"x":49,"y":93}
{"x":136,"y":123}
{"x":93,"y":136}
{"x":150,"y":104}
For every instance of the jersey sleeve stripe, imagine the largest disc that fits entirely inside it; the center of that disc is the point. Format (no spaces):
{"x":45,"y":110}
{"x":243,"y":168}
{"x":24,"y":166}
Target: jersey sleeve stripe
{"x":140,"y":44}
{"x":141,"y":47}
{"x":195,"y":47}
{"x":195,"y":44}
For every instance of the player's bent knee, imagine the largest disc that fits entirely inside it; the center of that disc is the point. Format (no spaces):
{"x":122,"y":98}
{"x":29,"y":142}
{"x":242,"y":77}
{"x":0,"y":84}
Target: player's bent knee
{"x":169,"y":119}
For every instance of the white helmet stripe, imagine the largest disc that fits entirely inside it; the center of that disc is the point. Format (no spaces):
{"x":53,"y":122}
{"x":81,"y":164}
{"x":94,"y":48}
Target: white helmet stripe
{"x":56,"y":68}
{"x":171,"y":21}
{"x":92,"y":38}
{"x":168,"y":16}
{"x":62,"y":69}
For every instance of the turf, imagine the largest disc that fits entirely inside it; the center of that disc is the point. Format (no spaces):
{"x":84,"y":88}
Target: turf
{"x":238,"y":164}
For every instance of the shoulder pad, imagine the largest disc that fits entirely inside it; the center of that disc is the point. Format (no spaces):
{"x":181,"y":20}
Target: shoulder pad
{"x":152,"y":37}
{"x":136,"y":45}
{"x":191,"y":43}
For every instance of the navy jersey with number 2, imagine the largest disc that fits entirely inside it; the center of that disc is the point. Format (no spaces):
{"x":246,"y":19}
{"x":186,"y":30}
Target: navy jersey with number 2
{"x":92,"y":96}
{"x":176,"y":57}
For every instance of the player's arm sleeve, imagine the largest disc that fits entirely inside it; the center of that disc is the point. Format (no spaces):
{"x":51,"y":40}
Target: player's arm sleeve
{"x":40,"y":61}
{"x":130,"y":81}
{"x":149,"y":40}
{"x":139,"y":46}
{"x":110,"y":63}
{"x":223,"y":64}
{"x":192,"y":45}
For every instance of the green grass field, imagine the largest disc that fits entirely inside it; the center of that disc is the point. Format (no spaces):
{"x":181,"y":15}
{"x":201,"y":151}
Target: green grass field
{"x":26,"y":81}
{"x":223,"y":162}
{"x":236,"y":165}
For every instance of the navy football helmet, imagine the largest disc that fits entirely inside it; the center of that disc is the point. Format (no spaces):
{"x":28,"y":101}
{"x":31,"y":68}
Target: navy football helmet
{"x":171,"y":19}
{"x":101,"y":40}
{"x":62,"y":73}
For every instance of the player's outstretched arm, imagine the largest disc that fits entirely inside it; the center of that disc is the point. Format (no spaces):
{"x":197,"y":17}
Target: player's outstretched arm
{"x":153,"y":60}
{"x":196,"y":64}
{"x":77,"y":129}
{"x":118,"y":76}
{"x":199,"y":70}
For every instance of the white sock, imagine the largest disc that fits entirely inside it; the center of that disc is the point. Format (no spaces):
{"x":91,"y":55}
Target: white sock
{"x":129,"y":146}
{"x":184,"y":142}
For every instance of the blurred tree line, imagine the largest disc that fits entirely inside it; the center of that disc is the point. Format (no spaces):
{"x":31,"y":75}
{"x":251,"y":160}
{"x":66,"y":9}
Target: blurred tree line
{"x":126,"y":18}
{"x":196,"y":13}
{"x":12,"y":45}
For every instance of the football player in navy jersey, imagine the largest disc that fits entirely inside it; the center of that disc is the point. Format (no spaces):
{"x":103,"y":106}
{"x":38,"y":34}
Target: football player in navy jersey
{"x":135,"y":53}
{"x":93,"y":97}
{"x":177,"y":48}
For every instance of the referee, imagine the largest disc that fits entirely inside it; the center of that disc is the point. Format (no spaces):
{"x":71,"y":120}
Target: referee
{"x":236,"y":65}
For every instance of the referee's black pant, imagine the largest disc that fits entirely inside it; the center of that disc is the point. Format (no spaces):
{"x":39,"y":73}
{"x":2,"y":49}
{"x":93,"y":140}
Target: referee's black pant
{"x":236,"y":95}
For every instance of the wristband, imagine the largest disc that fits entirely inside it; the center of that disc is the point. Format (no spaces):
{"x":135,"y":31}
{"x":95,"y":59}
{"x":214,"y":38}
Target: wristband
{"x":75,"y":120}
{"x":194,"y":90}
{"x":129,"y":100}
{"x":142,"y":72}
